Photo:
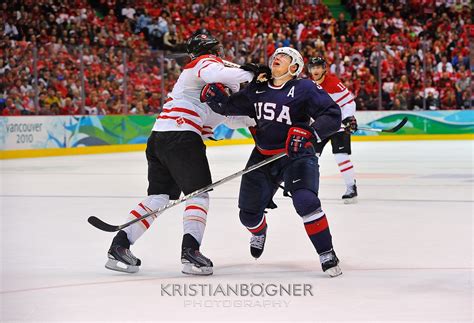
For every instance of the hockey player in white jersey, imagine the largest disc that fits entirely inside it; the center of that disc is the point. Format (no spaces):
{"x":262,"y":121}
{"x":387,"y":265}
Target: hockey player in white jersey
{"x":341,"y":140}
{"x":177,"y":159}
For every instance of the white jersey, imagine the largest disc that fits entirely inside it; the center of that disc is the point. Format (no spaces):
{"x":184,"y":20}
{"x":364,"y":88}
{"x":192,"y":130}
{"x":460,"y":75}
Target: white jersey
{"x":183,"y":110}
{"x":341,"y":95}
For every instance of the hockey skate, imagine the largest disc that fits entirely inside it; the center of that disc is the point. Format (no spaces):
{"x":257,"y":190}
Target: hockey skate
{"x":330,"y":263}
{"x":194,"y":262}
{"x":350,"y":197}
{"x":257,"y":244}
{"x":120,"y":256}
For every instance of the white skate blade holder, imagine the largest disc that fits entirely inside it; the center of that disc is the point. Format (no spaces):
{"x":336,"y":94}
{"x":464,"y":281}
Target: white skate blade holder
{"x":334,"y":271}
{"x":190,"y":269}
{"x":352,"y":200}
{"x":116,"y":265}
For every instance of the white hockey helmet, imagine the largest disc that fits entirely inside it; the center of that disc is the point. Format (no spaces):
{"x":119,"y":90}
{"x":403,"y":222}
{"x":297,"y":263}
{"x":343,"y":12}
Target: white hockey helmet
{"x":296,"y":58}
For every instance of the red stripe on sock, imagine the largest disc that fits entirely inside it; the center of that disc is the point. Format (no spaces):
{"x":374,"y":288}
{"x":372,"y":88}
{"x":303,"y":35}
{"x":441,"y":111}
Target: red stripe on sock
{"x":260,"y":227}
{"x":344,"y":162}
{"x":343,"y":170}
{"x":316,"y":227}
{"x":195,"y":207}
{"x":143,"y":207}
{"x":137,"y":215}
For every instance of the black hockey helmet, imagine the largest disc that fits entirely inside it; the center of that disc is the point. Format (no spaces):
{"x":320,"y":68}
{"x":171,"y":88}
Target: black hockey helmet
{"x":317,"y":61}
{"x":201,"y":44}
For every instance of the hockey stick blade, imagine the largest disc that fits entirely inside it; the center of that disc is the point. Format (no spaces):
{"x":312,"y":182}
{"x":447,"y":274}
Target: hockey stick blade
{"x":394,"y":129}
{"x":101,"y":225}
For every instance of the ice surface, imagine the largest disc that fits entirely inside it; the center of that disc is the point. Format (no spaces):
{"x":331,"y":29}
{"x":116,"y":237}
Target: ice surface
{"x":405,"y":248}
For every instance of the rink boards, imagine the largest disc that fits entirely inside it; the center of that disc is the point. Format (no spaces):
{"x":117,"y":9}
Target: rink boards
{"x":38,"y":136}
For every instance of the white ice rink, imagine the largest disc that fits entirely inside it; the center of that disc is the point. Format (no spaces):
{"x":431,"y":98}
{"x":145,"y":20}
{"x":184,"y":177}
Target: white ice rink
{"x":405,"y":248}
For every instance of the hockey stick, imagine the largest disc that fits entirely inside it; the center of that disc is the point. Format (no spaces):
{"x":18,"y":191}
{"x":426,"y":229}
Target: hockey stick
{"x":183,"y":55}
{"x":101,"y":225}
{"x":230,"y":64}
{"x":394,"y":129}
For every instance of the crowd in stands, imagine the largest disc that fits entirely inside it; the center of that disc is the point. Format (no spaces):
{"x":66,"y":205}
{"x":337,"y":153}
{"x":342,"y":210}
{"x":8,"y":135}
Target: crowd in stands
{"x":416,"y":51}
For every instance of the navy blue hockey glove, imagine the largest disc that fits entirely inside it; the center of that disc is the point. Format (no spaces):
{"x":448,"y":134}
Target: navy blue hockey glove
{"x":350,"y":124}
{"x":261,"y":72}
{"x":298,"y":142}
{"x":215,"y":95}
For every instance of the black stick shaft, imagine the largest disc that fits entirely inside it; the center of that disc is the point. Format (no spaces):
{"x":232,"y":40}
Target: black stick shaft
{"x":99,"y":224}
{"x":394,"y":129}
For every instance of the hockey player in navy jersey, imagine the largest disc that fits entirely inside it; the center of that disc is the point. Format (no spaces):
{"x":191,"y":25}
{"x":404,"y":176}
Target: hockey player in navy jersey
{"x":283,"y":108}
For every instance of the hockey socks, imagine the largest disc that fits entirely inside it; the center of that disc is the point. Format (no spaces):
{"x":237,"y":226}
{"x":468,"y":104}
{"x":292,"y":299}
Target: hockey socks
{"x":317,"y":228}
{"x":258,"y":228}
{"x":151,"y":203}
{"x":194,"y":224}
{"x":195,"y":216}
{"x":346,"y":168}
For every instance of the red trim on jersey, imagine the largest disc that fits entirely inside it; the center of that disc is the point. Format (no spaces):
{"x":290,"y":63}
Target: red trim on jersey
{"x":344,"y":162}
{"x":340,"y":99}
{"x":194,"y":62}
{"x":253,"y":131}
{"x":195,"y":207}
{"x":343,"y":170}
{"x":199,"y":72}
{"x":317,"y":226}
{"x":168,"y":100}
{"x":191,"y":123}
{"x":260,"y":227}
{"x":137,"y":215}
{"x":183,"y":110}
{"x":347,"y":103}
{"x":207,"y":132}
{"x":270,"y":152}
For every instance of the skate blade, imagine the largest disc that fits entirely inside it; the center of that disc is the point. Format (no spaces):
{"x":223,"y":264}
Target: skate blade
{"x":334,"y":271}
{"x":350,"y":201}
{"x":116,"y":265}
{"x":190,"y":269}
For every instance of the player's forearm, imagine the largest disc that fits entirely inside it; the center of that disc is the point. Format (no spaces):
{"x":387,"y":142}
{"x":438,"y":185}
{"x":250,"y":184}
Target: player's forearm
{"x":218,"y":73}
{"x":328,"y":122}
{"x":236,"y":122}
{"x":348,"y":110}
{"x":238,"y":105}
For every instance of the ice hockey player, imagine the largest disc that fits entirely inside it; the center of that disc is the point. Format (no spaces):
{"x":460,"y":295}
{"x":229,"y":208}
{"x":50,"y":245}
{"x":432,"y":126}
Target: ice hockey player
{"x":283,"y":108}
{"x":177,"y":159}
{"x":341,"y":140}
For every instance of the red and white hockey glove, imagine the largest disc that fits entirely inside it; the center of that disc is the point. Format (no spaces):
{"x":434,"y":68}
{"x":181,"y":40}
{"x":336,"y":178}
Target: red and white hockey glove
{"x":298,"y":142}
{"x":215,"y":95}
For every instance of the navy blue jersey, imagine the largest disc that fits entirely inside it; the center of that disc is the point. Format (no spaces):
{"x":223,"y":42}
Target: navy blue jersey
{"x":277,"y":109}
